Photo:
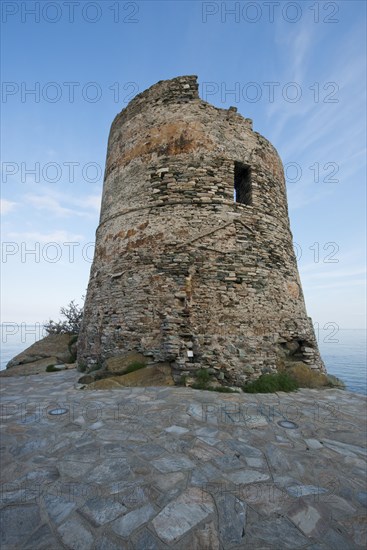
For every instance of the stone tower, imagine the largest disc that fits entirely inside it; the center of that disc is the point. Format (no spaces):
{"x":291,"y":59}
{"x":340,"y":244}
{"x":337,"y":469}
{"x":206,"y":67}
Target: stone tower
{"x":194,"y":263}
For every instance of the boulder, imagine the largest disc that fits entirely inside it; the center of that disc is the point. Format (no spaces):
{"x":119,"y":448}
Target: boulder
{"x":36,"y":367}
{"x":335,"y":382}
{"x":154,"y":375}
{"x":113,"y":366}
{"x":53,"y":349}
{"x":119,"y":364}
{"x":33,"y":367}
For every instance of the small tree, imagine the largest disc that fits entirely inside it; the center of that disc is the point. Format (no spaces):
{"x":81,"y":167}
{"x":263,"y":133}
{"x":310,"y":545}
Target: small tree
{"x":73,"y":314}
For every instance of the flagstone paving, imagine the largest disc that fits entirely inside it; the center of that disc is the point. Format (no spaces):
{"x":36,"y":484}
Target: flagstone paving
{"x":157,"y":468}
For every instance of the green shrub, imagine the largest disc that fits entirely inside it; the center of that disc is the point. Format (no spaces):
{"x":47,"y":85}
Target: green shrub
{"x":82,"y":367}
{"x":269,"y":383}
{"x":203,"y":378}
{"x":72,"y":352}
{"x":199,"y":386}
{"x":182,"y":381}
{"x":51,"y":368}
{"x":220,"y":389}
{"x":136,"y":365}
{"x":72,"y":340}
{"x":203,"y":375}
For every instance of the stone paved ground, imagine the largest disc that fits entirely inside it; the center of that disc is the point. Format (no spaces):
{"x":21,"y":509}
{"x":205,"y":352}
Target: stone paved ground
{"x":152,"y":468}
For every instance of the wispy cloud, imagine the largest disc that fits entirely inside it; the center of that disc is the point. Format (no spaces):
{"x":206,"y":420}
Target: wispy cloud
{"x":43,"y":202}
{"x":6,"y":206}
{"x":93,"y":202}
{"x":315,"y":136}
{"x":62,"y":205}
{"x":309,"y":130}
{"x":300,"y":43}
{"x":60,"y":236}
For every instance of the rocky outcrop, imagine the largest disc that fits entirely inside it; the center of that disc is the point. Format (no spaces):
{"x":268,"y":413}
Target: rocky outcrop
{"x":154,"y":375}
{"x":113,"y":366}
{"x":130,"y":369}
{"x":54,"y":349}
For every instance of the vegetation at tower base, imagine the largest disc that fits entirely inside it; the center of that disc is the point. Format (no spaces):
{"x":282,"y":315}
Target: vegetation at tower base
{"x":194,"y":264}
{"x":73,"y":314}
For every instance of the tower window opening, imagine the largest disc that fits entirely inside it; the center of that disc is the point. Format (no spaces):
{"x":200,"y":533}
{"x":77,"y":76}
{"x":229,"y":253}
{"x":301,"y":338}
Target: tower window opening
{"x":242,"y":183}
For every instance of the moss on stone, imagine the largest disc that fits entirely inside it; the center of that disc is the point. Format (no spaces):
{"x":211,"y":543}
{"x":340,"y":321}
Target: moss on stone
{"x":51,"y":368}
{"x":136,"y":365}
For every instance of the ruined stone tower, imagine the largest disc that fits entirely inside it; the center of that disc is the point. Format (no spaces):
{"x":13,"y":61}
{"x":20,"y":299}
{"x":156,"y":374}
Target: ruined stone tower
{"x":194,"y":263}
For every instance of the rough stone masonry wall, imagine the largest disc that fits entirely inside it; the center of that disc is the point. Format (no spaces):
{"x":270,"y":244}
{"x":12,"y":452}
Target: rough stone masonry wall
{"x":183,"y":273}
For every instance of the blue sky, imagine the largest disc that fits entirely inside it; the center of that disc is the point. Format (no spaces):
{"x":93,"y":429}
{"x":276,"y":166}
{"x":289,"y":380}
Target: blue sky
{"x":298,"y":69}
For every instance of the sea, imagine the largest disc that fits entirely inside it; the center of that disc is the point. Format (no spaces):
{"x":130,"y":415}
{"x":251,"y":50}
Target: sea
{"x":343,"y":350}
